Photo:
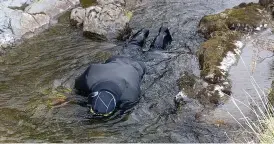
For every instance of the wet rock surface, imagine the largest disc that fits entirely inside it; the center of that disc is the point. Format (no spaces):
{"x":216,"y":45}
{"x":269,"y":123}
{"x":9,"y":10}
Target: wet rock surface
{"x":57,"y":56}
{"x":104,"y":20}
{"x":24,"y":18}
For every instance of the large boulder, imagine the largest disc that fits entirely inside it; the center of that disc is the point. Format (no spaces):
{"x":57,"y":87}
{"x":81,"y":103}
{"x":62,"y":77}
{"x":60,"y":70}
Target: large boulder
{"x":24,"y":18}
{"x":104,"y":20}
{"x":14,"y":24}
{"x":52,"y":8}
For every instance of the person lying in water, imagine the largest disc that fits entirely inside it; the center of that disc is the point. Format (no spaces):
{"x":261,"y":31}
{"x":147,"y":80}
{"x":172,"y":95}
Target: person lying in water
{"x":115,"y":84}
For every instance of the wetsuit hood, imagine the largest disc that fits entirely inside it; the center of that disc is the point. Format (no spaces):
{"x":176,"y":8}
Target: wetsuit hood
{"x":104,"y":98}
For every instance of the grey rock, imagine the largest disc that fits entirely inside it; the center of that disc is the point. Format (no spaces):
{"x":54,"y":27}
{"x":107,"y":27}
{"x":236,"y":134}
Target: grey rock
{"x":106,"y":19}
{"x":52,"y":8}
{"x":24,"y":18}
{"x":132,"y":4}
{"x":77,"y":16}
{"x":15,"y":3}
{"x":16,"y":23}
{"x":106,"y":2}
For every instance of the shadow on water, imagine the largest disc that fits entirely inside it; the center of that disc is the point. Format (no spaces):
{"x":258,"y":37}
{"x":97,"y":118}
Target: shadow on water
{"x":32,"y":71}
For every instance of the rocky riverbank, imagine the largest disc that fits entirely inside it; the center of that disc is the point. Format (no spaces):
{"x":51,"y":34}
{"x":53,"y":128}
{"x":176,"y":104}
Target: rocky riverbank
{"x":20,"y":19}
{"x":33,"y":105}
{"x":225,"y":33}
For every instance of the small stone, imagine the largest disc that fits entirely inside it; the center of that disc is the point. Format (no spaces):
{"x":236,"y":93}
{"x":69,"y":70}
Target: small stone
{"x":258,"y":29}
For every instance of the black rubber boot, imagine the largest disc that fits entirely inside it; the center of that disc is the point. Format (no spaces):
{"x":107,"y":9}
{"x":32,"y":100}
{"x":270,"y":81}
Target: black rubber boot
{"x":162,"y":39}
{"x":139,"y":38}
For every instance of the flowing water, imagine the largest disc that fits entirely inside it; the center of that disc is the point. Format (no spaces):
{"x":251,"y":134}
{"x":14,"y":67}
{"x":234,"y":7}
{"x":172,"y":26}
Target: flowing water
{"x":32,"y":72}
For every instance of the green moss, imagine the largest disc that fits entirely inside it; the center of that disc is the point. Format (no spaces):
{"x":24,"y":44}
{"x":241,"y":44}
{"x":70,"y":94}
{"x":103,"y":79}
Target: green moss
{"x":214,"y":50}
{"x":212,"y":23}
{"x":219,"y":29}
{"x":101,"y":56}
{"x":129,"y":14}
{"x":88,"y":3}
{"x":241,"y":17}
{"x":51,"y":97}
{"x":186,"y":83}
{"x":249,"y":15}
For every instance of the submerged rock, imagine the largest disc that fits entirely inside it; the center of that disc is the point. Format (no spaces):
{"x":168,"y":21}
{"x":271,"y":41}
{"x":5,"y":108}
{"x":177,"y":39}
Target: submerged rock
{"x":103,"y":21}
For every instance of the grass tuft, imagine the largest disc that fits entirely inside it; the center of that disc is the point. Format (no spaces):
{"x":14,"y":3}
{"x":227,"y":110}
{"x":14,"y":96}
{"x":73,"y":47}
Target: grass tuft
{"x":263,"y":125}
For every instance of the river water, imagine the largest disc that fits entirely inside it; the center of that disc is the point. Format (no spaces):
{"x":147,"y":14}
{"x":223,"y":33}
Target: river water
{"x":31,"y":73}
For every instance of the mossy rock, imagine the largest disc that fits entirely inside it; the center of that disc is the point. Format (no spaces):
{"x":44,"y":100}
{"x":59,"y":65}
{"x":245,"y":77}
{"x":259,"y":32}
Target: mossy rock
{"x":88,"y":3}
{"x":94,"y":36}
{"x":251,"y":15}
{"x":212,"y":23}
{"x":186,"y":83}
{"x":213,"y":51}
{"x":245,"y":18}
{"x":101,"y":56}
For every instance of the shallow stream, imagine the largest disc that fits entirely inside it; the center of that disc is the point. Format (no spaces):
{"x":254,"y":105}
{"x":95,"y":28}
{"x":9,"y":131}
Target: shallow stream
{"x":33,"y":71}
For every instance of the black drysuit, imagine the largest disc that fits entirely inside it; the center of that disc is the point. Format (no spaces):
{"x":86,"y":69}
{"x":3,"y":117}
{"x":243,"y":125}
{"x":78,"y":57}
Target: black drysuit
{"x":125,"y":73}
